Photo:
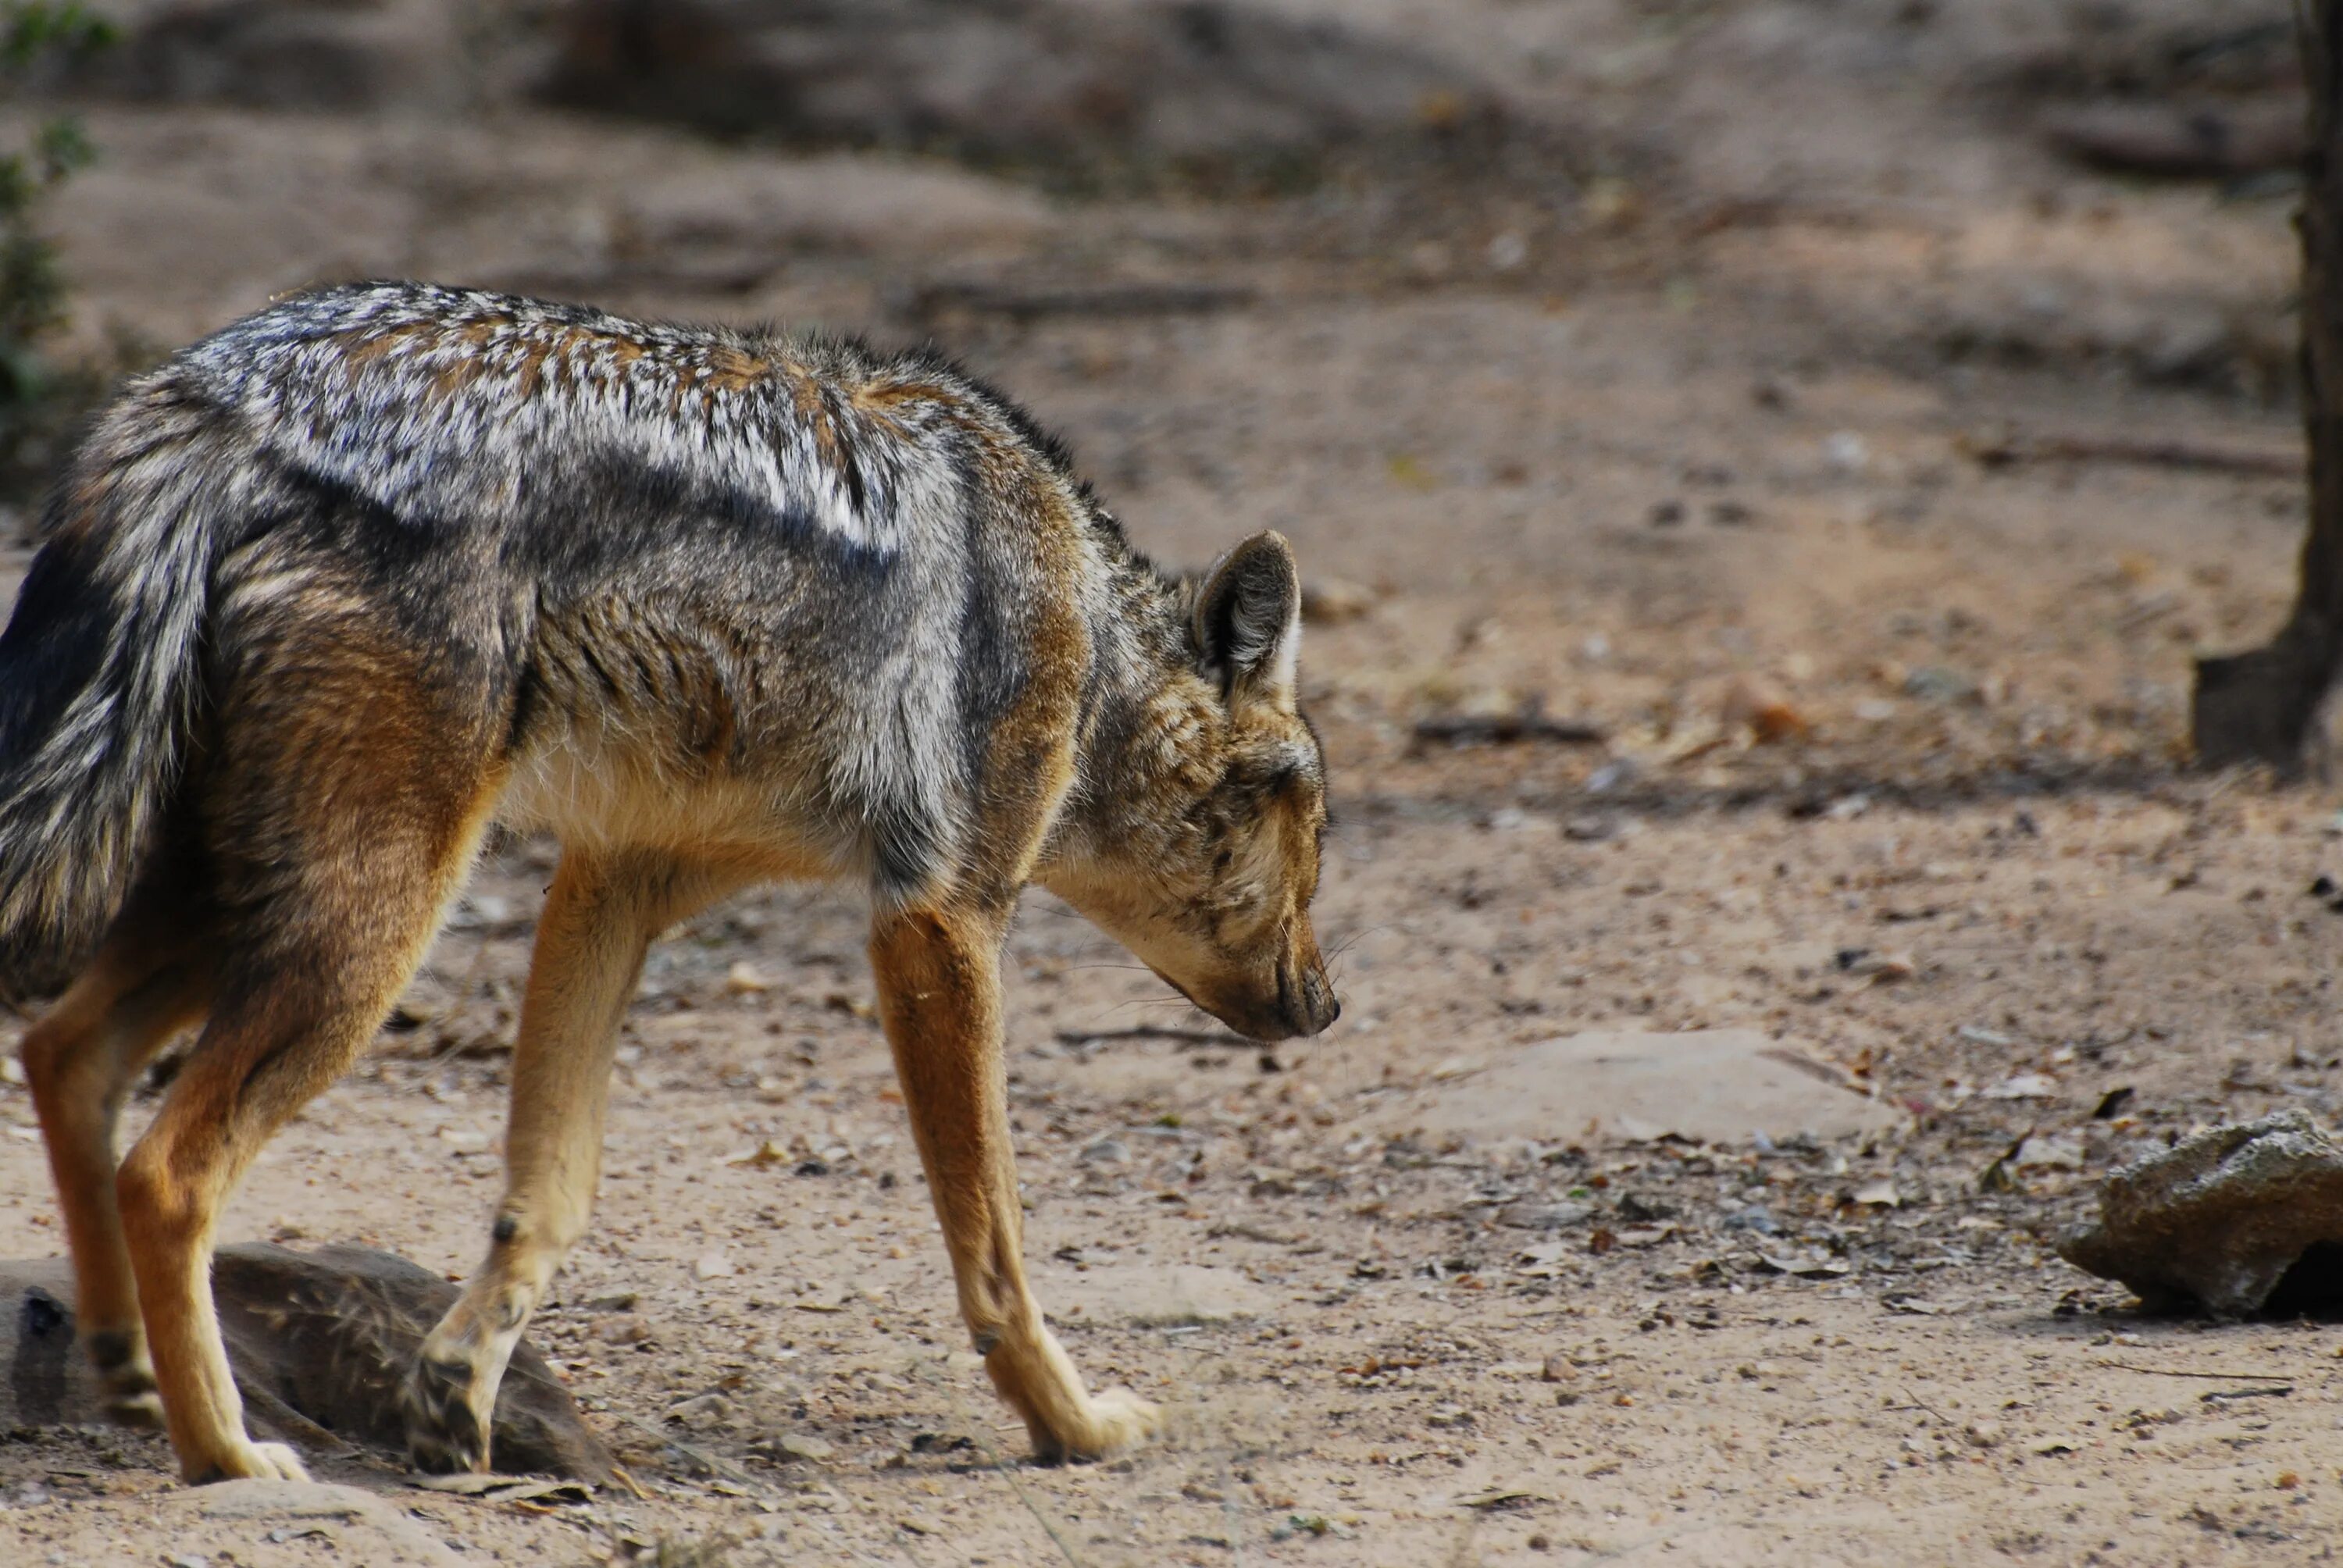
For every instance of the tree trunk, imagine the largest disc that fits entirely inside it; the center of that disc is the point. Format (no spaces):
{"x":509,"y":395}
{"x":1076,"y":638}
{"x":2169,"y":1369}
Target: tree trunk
{"x":2258,"y":707}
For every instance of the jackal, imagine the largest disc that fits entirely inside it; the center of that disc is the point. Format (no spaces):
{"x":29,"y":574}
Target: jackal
{"x":338,"y":588}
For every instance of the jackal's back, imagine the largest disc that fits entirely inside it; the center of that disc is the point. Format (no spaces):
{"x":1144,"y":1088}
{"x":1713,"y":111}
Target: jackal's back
{"x":793,"y":572}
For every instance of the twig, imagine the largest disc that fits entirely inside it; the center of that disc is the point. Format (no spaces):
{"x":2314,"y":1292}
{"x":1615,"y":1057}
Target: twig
{"x":1919,"y":1403}
{"x":2209,"y":1376}
{"x":2006,"y":451}
{"x":1006,"y":1470}
{"x":716,"y":1464}
{"x":1527,"y":722}
{"x":1150,"y":1031}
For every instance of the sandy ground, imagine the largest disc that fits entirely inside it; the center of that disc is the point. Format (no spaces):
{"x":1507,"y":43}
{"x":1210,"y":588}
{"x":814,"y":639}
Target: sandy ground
{"x":1699,"y":451}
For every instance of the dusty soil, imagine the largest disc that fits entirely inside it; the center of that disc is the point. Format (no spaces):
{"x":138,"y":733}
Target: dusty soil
{"x":1685,"y":445}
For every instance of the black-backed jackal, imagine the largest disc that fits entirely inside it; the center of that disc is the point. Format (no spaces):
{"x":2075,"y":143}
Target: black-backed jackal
{"x":340,"y":585}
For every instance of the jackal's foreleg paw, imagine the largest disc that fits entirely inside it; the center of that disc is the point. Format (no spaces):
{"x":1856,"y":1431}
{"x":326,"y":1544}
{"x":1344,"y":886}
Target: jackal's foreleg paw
{"x":444,"y":1434}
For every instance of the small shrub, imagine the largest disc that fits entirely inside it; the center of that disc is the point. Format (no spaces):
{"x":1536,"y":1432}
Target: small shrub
{"x":37,"y":397}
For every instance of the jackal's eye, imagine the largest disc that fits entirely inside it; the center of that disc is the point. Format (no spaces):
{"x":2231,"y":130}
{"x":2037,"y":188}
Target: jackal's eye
{"x":1221,"y":861}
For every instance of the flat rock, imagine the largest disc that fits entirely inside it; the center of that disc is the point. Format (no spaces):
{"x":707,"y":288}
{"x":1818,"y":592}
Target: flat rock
{"x":319,"y":1342}
{"x":1153,"y":1295}
{"x":2220,"y":1219}
{"x":1717,"y":1086}
{"x":223,"y":1522}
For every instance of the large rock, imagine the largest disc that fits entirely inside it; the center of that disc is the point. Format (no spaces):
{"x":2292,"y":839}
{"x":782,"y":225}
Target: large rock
{"x":319,"y":1342}
{"x":2222,"y":1220}
{"x":1713,"y":1085}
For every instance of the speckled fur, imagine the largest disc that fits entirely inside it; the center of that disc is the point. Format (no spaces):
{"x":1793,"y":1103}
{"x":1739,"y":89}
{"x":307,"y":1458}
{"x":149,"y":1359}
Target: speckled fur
{"x":336,"y":588}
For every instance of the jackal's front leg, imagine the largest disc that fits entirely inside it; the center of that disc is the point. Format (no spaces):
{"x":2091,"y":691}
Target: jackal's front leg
{"x":600,"y":917}
{"x":939,"y":996}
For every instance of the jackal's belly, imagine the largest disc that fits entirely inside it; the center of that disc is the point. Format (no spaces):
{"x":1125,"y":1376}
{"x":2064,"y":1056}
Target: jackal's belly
{"x":594,"y":789}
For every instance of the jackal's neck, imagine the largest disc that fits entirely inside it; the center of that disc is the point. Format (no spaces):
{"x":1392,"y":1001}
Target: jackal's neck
{"x":1151,"y":729}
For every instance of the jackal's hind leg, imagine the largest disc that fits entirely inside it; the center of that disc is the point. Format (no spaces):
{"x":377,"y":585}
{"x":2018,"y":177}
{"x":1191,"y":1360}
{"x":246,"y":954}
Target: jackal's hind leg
{"x":344,"y":798}
{"x":599,"y":918}
{"x":940,"y":997}
{"x":80,"y":1061}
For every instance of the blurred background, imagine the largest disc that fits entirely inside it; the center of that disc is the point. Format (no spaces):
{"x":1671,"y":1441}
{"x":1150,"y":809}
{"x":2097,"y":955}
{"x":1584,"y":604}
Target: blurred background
{"x":1900,"y":386}
{"x":1761,"y":470}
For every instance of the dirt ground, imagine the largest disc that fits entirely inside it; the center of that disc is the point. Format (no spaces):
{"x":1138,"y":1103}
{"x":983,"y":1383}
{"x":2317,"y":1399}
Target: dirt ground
{"x":1740,"y":442}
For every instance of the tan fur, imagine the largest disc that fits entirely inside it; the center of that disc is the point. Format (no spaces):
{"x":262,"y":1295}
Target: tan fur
{"x":601,"y":915}
{"x":1015,"y":698}
{"x":79,"y":1062}
{"x":939,"y":983}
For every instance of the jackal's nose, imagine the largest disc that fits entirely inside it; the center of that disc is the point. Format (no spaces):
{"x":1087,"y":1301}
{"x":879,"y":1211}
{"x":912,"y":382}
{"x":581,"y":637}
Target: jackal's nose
{"x":1320,"y":1006}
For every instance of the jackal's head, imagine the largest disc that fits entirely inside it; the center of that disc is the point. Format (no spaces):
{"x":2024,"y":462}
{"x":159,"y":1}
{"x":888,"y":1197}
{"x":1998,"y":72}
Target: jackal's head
{"x":1201,"y":854}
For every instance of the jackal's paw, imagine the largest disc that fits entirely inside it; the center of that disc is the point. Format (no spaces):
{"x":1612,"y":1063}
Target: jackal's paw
{"x":131,"y":1399}
{"x":1120,"y":1421}
{"x":443,"y":1436}
{"x":249,"y":1462}
{"x":127,"y":1377}
{"x":142,"y":1409}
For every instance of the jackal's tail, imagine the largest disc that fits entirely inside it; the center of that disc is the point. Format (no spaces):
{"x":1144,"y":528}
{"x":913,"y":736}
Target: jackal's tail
{"x":98,"y":681}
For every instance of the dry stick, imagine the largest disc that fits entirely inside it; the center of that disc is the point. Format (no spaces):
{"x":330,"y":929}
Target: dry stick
{"x":716,"y":1464}
{"x":1002,"y":1467}
{"x":1152,"y":1031}
{"x":2148,"y":452}
{"x":1527,"y":722}
{"x":1916,"y":1402}
{"x":1005,"y":1468}
{"x":2209,"y":1376}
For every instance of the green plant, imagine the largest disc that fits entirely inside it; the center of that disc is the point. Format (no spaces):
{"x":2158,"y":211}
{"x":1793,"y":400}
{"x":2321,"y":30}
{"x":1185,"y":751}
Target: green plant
{"x":32,"y":285}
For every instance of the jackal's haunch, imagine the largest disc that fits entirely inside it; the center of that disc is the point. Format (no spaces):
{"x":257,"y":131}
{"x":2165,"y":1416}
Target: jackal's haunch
{"x":338,"y":588}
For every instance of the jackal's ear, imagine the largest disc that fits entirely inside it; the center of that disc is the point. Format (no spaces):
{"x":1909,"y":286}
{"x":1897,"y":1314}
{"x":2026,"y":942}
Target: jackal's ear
{"x":1248,"y":618}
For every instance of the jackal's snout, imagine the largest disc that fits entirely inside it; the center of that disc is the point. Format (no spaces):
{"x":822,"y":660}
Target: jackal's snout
{"x":1305,"y":995}
{"x":1316,"y":1005}
{"x":1294,"y":997}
